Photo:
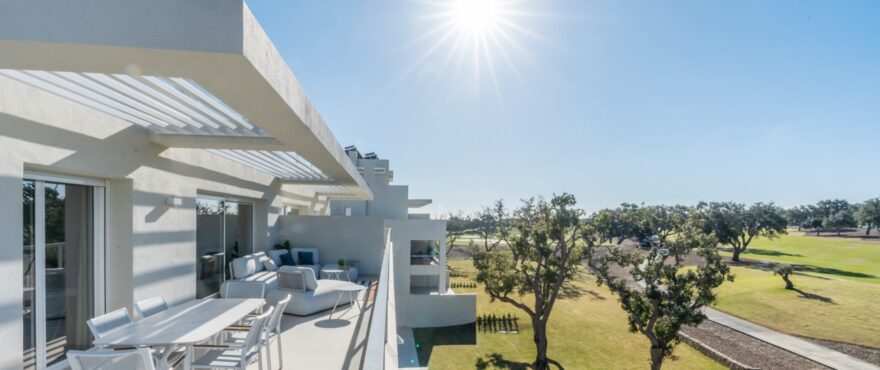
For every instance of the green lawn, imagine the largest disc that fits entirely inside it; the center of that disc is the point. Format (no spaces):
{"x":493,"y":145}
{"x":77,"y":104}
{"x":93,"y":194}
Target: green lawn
{"x":827,"y":308}
{"x":838,"y":258}
{"x":840,"y":283}
{"x":588,"y":330}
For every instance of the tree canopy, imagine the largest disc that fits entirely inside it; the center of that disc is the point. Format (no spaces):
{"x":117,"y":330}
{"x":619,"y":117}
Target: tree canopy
{"x":736,"y":225}
{"x":658,"y":293}
{"x":544,"y":256}
{"x":868,"y":214}
{"x":457,"y":225}
{"x":489,"y":224}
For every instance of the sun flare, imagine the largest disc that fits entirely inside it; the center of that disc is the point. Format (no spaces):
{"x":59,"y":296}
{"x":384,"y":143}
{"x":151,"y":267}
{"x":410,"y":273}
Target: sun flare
{"x":474,"y":39}
{"x":476,"y":15}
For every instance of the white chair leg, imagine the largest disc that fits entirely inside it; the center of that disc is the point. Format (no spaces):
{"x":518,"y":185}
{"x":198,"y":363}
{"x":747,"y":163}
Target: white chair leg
{"x":269,"y":355}
{"x":260,"y":358}
{"x":280,"y":352}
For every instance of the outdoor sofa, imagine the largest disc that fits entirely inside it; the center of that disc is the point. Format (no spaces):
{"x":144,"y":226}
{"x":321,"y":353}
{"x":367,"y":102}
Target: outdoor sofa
{"x":308,"y":294}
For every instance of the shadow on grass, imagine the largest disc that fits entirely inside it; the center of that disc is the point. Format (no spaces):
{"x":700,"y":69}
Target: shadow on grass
{"x":595,"y":296}
{"x":496,"y":360}
{"x":571,"y":291}
{"x":767,"y":252}
{"x":831,"y":271}
{"x":768,"y":266}
{"x":427,"y":338}
{"x":813,"y":296}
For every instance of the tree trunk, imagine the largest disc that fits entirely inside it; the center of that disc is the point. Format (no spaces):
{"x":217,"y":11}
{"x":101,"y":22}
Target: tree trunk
{"x":540,"y":329}
{"x":656,"y":358}
{"x":788,"y":284}
{"x":868,"y":230}
{"x":799,"y":227}
{"x":736,"y":252}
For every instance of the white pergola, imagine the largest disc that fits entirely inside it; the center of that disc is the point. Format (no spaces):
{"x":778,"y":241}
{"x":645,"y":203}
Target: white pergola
{"x":193,"y":74}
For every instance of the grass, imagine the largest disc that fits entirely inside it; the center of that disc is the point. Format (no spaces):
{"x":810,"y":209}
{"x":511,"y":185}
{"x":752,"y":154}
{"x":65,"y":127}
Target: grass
{"x":843,"y":310}
{"x":587,"y":330}
{"x":838,"y":282}
{"x":839,"y":258}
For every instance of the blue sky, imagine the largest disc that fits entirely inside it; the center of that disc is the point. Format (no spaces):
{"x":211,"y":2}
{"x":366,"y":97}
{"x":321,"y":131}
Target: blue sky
{"x":613,"y":101}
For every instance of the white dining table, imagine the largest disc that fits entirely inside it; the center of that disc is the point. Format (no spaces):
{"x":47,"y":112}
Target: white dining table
{"x":182,"y":325}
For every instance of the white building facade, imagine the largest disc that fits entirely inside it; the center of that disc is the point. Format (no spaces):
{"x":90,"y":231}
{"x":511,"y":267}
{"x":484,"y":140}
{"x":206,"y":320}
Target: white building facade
{"x":143,"y":145}
{"x":421,"y":279}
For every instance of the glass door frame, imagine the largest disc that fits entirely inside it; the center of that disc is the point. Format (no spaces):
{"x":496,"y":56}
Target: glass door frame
{"x":226,"y":261}
{"x":98,"y":188}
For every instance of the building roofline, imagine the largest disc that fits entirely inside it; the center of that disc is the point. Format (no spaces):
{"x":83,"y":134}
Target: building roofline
{"x":217,"y":44}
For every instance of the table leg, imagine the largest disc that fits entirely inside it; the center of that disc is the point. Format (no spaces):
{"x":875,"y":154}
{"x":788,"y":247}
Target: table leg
{"x":187,"y":357}
{"x":338,"y":298}
{"x":163,"y":360}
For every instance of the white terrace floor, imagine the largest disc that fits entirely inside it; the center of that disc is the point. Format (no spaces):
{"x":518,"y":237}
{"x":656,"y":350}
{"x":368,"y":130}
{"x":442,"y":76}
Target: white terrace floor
{"x":316,"y":343}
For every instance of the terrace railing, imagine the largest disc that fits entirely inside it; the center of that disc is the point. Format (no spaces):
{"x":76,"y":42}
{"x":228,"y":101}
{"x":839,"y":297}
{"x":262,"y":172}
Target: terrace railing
{"x":381,"y":347}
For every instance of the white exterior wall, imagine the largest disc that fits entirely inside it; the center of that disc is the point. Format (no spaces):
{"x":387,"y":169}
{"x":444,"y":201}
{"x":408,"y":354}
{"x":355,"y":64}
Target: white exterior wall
{"x":391,"y":203}
{"x":424,"y":310}
{"x":357,"y":237}
{"x":441,"y":310}
{"x":151,"y":247}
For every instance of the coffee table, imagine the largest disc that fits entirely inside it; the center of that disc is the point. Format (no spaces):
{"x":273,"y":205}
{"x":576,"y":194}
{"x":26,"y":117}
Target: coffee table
{"x":335,"y":274}
{"x":352,"y":291}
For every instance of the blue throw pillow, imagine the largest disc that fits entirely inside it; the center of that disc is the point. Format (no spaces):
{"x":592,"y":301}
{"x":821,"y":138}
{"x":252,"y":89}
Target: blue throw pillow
{"x":287,"y":259}
{"x":305,"y":258}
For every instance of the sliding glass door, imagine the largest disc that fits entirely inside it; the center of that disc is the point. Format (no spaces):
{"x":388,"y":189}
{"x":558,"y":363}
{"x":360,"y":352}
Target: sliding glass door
{"x":61,"y":231}
{"x":224,"y":231}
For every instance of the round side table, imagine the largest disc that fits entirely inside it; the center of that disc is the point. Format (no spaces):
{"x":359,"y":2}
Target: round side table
{"x":352,"y":291}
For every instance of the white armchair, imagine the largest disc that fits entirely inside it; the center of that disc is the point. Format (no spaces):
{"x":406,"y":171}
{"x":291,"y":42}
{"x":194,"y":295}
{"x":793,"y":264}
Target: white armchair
{"x":317,"y":296}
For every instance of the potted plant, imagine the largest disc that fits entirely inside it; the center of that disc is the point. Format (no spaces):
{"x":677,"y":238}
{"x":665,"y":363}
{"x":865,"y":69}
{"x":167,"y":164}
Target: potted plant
{"x":285,"y":245}
{"x":341,"y":263}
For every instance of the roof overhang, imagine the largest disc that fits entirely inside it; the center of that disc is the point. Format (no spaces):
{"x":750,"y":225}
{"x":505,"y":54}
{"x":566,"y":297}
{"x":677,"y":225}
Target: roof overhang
{"x":418,"y":203}
{"x":196,"y":74}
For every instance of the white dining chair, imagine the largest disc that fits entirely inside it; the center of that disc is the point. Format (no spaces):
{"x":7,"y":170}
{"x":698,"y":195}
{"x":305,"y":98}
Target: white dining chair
{"x":235,"y":354}
{"x":243,"y":289}
{"x":271,"y":332}
{"x":150,"y":306}
{"x":132,"y":359}
{"x":101,"y":325}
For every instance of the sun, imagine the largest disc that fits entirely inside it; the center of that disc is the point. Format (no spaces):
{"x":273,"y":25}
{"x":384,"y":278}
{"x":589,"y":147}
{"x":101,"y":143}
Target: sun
{"x":474,"y":39}
{"x":476,"y":15}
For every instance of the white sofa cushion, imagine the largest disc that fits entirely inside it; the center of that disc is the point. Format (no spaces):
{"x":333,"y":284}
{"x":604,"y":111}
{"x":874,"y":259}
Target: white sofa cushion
{"x":275,"y":255}
{"x":258,"y":259}
{"x":315,"y":268}
{"x":240,"y":267}
{"x":266,"y":277}
{"x":311,"y":281}
{"x":269,"y":265}
{"x":323,"y":297}
{"x":251,"y":265}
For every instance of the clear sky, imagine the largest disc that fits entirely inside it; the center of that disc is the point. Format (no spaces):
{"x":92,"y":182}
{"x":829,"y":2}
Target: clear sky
{"x":613,"y":101}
